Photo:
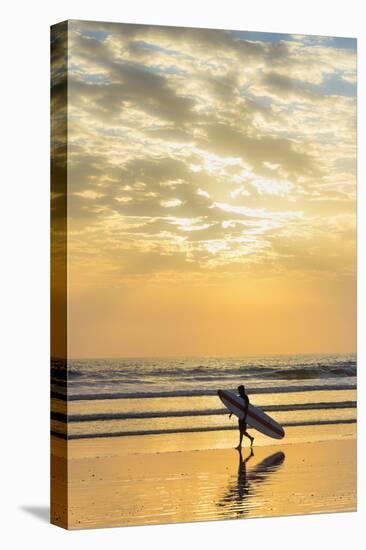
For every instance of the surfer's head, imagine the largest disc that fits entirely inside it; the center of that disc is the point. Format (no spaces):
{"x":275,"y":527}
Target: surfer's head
{"x":241,"y":390}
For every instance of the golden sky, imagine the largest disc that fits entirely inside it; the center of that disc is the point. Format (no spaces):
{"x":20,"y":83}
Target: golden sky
{"x":211,"y":181}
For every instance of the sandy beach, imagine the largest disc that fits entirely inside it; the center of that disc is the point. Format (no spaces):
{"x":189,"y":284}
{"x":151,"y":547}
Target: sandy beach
{"x":197,"y":477}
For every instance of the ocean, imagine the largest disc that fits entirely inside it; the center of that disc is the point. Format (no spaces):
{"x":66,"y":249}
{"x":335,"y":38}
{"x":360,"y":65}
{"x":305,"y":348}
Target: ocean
{"x":152,"y":396}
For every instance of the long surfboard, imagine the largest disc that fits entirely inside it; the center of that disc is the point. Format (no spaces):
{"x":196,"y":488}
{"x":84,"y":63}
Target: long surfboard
{"x":256,"y":418}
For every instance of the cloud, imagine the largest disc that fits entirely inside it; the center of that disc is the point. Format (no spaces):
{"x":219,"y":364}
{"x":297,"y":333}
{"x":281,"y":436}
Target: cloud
{"x":257,"y":150}
{"x":195,"y":150}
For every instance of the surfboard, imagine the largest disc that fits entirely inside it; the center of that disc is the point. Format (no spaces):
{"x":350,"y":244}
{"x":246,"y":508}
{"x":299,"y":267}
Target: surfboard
{"x":256,"y":418}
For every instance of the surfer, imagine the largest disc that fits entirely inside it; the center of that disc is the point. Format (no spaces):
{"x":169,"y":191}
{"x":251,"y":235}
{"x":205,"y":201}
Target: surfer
{"x":243,"y":421}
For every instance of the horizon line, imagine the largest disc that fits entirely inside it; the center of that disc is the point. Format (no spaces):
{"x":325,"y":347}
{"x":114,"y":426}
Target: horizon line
{"x":196,"y":356}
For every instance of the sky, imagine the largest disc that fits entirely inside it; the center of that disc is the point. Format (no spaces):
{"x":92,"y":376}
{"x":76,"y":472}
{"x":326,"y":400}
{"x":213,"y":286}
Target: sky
{"x":211,"y":192}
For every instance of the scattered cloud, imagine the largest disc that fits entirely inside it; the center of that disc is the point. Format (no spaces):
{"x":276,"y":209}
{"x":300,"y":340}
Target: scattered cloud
{"x":195,"y":150}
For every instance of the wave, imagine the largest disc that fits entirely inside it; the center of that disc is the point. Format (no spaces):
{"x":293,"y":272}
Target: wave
{"x":148,"y":371}
{"x":97,"y":417}
{"x":194,"y":393}
{"x":190,"y":430}
{"x":300,"y":372}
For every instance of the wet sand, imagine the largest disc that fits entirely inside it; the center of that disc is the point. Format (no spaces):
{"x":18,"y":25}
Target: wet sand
{"x":181,"y":478}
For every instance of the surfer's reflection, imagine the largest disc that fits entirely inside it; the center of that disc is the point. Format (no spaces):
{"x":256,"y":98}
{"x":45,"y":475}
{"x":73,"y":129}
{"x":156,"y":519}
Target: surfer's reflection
{"x":243,"y":484}
{"x":236,"y":501}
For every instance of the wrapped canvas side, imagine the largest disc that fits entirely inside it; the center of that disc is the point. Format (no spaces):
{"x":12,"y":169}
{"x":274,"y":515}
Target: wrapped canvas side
{"x":59,"y":497}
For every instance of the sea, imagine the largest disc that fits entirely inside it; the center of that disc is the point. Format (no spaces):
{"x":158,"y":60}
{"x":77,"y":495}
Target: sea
{"x":98,"y":398}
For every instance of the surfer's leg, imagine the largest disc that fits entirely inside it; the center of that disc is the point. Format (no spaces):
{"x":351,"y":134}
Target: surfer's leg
{"x":241,"y":430}
{"x":249,"y":437}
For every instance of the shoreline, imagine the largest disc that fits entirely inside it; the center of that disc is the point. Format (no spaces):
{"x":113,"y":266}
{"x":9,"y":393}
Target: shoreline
{"x":195,"y":441}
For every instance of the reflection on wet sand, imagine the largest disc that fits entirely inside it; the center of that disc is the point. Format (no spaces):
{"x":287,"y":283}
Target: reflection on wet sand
{"x":237,"y":499}
{"x":112,"y":481}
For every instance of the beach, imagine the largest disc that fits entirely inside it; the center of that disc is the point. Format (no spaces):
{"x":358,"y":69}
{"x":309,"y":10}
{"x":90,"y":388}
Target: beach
{"x":148,"y":441}
{"x":127,"y":481}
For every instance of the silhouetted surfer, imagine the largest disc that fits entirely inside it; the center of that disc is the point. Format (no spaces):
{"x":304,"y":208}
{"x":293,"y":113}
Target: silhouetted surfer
{"x":243,"y":421}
